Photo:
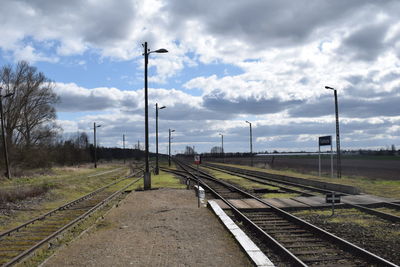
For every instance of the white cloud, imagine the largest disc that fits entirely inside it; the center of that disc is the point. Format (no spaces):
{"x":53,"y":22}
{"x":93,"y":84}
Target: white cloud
{"x":74,"y":98}
{"x":29,"y":54}
{"x":286,"y":50}
{"x":68,"y":126}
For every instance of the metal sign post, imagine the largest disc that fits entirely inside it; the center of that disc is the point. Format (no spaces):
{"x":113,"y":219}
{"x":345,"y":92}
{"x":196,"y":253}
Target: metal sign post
{"x":319,"y":160}
{"x":324,"y":141}
{"x":198,"y":187}
{"x":197,"y":161}
{"x":332,"y":198}
{"x":187,"y":183}
{"x":331,"y":161}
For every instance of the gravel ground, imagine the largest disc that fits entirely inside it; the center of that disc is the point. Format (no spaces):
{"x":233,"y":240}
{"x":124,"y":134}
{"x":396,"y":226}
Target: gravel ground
{"x":380,"y":238}
{"x":154,"y":228}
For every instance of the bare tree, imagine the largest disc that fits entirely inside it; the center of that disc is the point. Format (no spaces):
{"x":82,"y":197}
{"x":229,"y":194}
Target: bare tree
{"x":189,"y":150}
{"x":216,"y":150}
{"x":29,"y":113}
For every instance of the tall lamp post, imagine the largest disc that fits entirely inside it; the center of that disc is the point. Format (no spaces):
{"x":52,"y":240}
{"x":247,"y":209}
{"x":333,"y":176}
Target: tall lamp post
{"x":251,"y":143}
{"x":169,"y":146}
{"x":222,"y":143}
{"x":338,"y":162}
{"x":94,"y":141}
{"x":8,"y":174}
{"x":157,"y":170}
{"x":146,"y":53}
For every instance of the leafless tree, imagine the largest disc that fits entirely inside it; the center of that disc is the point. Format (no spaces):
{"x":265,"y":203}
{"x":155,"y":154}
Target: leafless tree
{"x":189,"y":150}
{"x":29,"y":113}
{"x":216,"y":150}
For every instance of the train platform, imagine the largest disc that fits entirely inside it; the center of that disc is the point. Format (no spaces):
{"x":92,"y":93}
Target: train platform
{"x":161,"y":227}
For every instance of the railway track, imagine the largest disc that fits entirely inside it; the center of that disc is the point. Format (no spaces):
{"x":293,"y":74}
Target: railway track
{"x":298,"y":242}
{"x":21,"y":241}
{"x":389,"y":212}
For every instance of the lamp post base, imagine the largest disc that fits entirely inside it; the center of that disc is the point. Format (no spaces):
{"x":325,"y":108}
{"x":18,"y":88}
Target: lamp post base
{"x":147,"y":181}
{"x":156,"y":170}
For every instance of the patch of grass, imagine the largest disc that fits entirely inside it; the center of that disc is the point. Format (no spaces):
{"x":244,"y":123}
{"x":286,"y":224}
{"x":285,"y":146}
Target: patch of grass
{"x":342,"y":216}
{"x":165,"y":179}
{"x":162,"y":180}
{"x":383,"y":188}
{"x":78,"y":185}
{"x":165,"y":164}
{"x":240,"y":181}
{"x":280,"y":195}
{"x":390,"y":211}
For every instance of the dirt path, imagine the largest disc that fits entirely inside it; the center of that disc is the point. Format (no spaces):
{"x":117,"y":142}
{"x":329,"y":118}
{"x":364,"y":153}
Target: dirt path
{"x":154,"y":228}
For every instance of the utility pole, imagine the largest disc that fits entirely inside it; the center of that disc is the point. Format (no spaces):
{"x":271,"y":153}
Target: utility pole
{"x":95,"y":146}
{"x":338,"y":159}
{"x":222,"y":147}
{"x":339,"y":163}
{"x":169,"y":147}
{"x":147,"y":175}
{"x":157,"y":170}
{"x":251,"y":143}
{"x":8,"y":174}
{"x":123,"y":145}
{"x":146,"y":53}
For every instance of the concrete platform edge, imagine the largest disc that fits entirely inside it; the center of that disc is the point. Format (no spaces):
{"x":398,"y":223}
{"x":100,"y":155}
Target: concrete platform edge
{"x":252,"y":250}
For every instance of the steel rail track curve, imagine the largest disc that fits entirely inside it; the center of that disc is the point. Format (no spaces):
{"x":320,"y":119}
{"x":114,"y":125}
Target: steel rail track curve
{"x":281,"y":223}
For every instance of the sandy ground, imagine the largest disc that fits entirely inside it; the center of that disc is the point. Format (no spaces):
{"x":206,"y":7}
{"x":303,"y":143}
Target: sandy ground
{"x":154,"y":228}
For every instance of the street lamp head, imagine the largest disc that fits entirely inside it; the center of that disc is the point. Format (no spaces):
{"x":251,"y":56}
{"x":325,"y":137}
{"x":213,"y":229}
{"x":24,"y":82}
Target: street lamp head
{"x":248,"y":122}
{"x":172,"y":131}
{"x":162,"y":107}
{"x":97,"y":126}
{"x":329,"y":88}
{"x":161,"y":50}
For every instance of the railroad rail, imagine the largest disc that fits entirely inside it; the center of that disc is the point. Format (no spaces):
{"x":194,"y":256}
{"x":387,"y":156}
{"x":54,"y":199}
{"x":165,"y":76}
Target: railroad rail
{"x":297,"y":241}
{"x":306,"y":190}
{"x":21,"y":241}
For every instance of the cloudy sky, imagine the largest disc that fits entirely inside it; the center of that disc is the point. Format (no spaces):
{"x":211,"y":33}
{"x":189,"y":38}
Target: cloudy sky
{"x":229,"y":61}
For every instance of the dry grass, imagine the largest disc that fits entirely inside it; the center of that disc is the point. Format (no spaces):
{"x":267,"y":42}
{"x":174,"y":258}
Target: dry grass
{"x":13,"y":194}
{"x":38,"y":194}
